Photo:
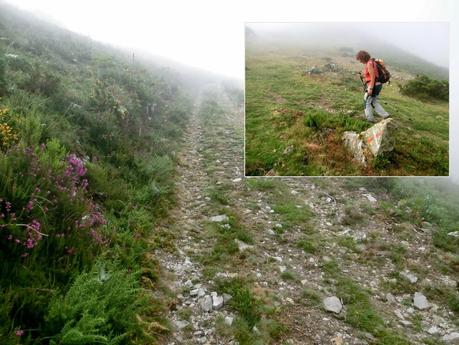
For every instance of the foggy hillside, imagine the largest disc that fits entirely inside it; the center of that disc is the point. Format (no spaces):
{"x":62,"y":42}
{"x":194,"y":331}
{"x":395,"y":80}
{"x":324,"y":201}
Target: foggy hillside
{"x":304,"y":37}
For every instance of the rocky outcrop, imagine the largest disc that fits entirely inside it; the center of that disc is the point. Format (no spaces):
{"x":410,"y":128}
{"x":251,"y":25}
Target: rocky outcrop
{"x":370,"y":143}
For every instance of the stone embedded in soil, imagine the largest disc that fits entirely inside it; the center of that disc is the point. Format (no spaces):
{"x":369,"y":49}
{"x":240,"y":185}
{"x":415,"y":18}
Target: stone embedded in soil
{"x":242,"y":245}
{"x":390,"y":298}
{"x":451,"y":338}
{"x":409,"y":276}
{"x":220,"y":218}
{"x":454,"y":234}
{"x":420,"y":301}
{"x":217,"y":301}
{"x":228,"y":320}
{"x":434,"y":330}
{"x":206,"y":303}
{"x":332,"y":304}
{"x":370,"y":197}
{"x":226,"y":297}
{"x":180,"y":324}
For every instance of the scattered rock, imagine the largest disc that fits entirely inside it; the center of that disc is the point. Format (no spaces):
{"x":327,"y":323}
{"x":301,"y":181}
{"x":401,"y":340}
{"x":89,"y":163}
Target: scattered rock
{"x":338,"y":340}
{"x":282,"y":269}
{"x":409,"y":276}
{"x":181,"y":324}
{"x":370,"y":197}
{"x":399,"y":314}
{"x":228,"y":320}
{"x":220,"y":218}
{"x":434,"y":330}
{"x":332,"y":304}
{"x":451,"y":338}
{"x":314,"y":70}
{"x":237,"y":180}
{"x":226,"y":298}
{"x":420,"y":301}
{"x":390,"y":298}
{"x":242,"y":245}
{"x":206,"y":303}
{"x":217,"y":301}
{"x":454,"y":234}
{"x":188,"y":284}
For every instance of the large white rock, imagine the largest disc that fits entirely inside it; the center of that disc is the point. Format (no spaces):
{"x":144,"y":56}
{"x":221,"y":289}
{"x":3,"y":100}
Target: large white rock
{"x":374,"y":141}
{"x":354,"y":143}
{"x":378,"y":138}
{"x":333,"y":304}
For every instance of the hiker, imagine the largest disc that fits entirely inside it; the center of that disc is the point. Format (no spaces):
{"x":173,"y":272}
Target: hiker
{"x":372,"y":86}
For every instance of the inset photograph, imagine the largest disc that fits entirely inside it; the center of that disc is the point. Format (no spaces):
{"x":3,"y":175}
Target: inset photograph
{"x":347,"y":99}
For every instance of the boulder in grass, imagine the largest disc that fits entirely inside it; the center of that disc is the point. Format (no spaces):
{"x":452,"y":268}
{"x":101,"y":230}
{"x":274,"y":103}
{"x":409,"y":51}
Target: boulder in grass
{"x":370,"y":143}
{"x":354,"y":144}
{"x":379,"y":138}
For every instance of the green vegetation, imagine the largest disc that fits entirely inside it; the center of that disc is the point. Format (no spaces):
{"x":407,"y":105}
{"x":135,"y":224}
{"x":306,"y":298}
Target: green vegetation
{"x":425,"y":88}
{"x":252,"y":311}
{"x":87,"y":141}
{"x":295,"y":120}
{"x":360,"y":312}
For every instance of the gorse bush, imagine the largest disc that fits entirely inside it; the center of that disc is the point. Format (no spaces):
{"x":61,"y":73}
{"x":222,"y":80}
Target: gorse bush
{"x":425,"y":88}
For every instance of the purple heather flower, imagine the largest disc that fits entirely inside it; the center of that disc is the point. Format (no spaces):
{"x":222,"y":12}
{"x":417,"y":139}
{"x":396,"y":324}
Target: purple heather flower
{"x":30,"y":243}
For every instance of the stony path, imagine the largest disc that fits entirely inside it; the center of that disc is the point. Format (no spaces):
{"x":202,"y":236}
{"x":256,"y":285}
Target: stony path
{"x":344,"y":247}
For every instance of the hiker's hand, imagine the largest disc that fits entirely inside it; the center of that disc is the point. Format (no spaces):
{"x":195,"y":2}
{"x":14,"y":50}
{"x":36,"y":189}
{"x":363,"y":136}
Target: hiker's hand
{"x":369,"y":92}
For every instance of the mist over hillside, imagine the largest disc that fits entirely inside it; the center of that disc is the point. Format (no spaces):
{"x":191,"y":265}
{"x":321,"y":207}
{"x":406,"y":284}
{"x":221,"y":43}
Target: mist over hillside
{"x":357,"y":36}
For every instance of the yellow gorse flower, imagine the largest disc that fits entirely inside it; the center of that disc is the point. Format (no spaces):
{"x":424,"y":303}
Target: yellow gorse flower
{"x":8,"y":135}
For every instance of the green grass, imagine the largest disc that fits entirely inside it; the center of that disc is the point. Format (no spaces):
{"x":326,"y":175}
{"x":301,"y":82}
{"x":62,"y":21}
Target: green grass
{"x":286,"y":108}
{"x":252,"y":312}
{"x":360,"y":311}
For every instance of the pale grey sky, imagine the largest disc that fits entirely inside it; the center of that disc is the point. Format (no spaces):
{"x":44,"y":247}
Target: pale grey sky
{"x":428,"y":40}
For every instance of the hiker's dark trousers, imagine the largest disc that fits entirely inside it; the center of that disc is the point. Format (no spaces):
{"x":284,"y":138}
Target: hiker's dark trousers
{"x":372,"y":102}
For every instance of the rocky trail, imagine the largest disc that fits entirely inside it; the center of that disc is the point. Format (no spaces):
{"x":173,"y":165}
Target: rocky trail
{"x":317,"y":261}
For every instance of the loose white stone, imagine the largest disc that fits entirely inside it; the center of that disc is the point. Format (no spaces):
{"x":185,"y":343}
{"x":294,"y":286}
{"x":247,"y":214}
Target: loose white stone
{"x":206,"y":303}
{"x":451,"y":338}
{"x":332,"y":304}
{"x":420,"y":301}
{"x":409,"y":276}
{"x":220,"y":218}
{"x":228,"y":320}
{"x":180,"y":324}
{"x":217,"y":301}
{"x":434,"y":330}
{"x":242,"y":245}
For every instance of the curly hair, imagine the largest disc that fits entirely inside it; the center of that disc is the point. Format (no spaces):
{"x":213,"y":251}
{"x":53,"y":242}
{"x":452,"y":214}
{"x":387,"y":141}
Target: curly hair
{"x":363,"y":56}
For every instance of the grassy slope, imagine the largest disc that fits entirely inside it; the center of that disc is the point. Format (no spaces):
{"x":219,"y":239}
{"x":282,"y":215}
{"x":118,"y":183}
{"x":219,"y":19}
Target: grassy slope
{"x":280,"y":99}
{"x":62,"y":94}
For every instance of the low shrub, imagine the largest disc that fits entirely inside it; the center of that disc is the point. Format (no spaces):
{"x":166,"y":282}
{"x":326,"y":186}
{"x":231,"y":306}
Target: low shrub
{"x":425,"y":88}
